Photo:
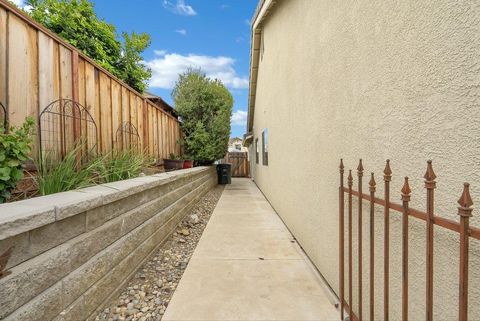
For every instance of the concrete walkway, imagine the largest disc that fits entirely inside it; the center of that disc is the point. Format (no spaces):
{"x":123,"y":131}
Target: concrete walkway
{"x":248,"y":267}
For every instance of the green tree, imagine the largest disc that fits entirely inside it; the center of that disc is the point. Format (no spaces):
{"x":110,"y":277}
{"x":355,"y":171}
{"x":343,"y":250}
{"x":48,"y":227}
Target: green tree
{"x":205,"y":108}
{"x":131,"y":67}
{"x":77,"y":23}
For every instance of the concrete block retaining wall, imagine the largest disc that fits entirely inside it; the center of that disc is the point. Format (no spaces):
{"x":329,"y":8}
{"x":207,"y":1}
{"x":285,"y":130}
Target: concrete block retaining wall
{"x":75,"y":250}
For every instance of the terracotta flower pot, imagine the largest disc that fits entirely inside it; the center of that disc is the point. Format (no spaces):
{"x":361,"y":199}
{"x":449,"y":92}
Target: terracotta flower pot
{"x":188,"y":163}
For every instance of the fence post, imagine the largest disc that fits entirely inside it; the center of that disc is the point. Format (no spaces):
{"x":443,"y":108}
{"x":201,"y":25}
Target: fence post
{"x":372,"y":189}
{"x":360,"y":175}
{"x":350,"y":293}
{"x":465,"y":213}
{"x":405,"y":200}
{"x":387,"y":177}
{"x":430,"y":185}
{"x":341,"y":232}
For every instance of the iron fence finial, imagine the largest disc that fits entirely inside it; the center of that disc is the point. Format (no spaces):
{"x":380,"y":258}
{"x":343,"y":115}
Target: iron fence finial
{"x":430,"y":174}
{"x":350,"y":178}
{"x":360,"y":168}
{"x":372,"y":184}
{"x":465,"y":202}
{"x":387,"y":171}
{"x":341,"y":166}
{"x":406,"y":190}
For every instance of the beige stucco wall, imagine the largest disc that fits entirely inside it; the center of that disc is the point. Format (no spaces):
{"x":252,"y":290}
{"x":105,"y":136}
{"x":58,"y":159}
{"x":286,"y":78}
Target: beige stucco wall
{"x":373,"y":79}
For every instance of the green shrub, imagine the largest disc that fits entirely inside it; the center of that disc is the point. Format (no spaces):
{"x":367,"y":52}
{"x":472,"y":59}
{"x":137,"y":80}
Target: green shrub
{"x":15,"y":148}
{"x":205,"y":107}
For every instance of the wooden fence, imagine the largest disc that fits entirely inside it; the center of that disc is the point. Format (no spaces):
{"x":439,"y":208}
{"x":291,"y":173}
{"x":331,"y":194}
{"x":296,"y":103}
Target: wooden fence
{"x":465,"y":232}
{"x":38,"y":68}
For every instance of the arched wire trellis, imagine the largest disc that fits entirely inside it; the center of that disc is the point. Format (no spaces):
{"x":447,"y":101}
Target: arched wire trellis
{"x":64,"y":125}
{"x":3,"y":117}
{"x":127,"y":136}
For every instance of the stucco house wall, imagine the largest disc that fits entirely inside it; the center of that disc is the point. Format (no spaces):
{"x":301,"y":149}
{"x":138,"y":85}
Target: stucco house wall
{"x":377,"y":80}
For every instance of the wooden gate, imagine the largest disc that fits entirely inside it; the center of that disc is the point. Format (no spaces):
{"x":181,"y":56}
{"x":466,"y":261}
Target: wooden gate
{"x":239,"y":161}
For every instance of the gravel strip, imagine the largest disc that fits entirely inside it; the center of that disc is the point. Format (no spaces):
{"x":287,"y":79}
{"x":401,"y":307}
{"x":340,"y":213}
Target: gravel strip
{"x":147,"y":295}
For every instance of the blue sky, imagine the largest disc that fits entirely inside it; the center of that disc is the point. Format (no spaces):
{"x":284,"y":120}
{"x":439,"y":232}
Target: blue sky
{"x":211,"y":34}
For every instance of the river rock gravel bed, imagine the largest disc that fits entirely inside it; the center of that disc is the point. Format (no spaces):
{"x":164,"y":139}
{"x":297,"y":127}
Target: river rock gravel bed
{"x":146,"y":296}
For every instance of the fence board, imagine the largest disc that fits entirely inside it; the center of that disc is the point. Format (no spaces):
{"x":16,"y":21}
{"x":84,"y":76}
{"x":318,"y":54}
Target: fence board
{"x":140,"y":122}
{"x":66,"y":91}
{"x":155,"y":135}
{"x":105,"y":112}
{"x":166,"y":136}
{"x":81,"y":94}
{"x":91,"y":99}
{"x":22,"y":66}
{"x":65,"y":72}
{"x":150,"y":143}
{"x":162,"y":143}
{"x":161,"y":136}
{"x":49,"y":88}
{"x":48,"y":58}
{"x":81,"y":83}
{"x":172,"y":135}
{"x":133,"y":110}
{"x":116,"y":114}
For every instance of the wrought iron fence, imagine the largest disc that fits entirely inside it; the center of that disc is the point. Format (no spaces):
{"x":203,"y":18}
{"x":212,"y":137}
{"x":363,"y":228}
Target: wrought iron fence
{"x":127,"y":136}
{"x":462,"y":227}
{"x":63,"y":125}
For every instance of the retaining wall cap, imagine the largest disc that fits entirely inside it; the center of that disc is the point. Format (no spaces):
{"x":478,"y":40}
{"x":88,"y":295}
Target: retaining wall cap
{"x":103,"y":190}
{"x":20,"y":217}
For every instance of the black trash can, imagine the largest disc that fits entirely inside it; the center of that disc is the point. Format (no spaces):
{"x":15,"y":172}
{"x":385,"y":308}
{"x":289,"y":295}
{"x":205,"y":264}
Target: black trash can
{"x":224,"y":173}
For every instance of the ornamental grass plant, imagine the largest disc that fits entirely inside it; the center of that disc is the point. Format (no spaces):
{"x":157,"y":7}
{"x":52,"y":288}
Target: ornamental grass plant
{"x":76,"y":171}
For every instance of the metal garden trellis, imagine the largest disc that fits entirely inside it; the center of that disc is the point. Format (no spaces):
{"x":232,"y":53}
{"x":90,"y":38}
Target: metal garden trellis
{"x":63,"y":125}
{"x":127,"y":135}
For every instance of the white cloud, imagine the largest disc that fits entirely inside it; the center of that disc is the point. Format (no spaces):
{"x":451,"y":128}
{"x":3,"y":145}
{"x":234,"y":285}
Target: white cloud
{"x":22,"y":5}
{"x":160,"y":52}
{"x":166,"y":67}
{"x":183,"y":32}
{"x":239,"y":118}
{"x":180,"y":7}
